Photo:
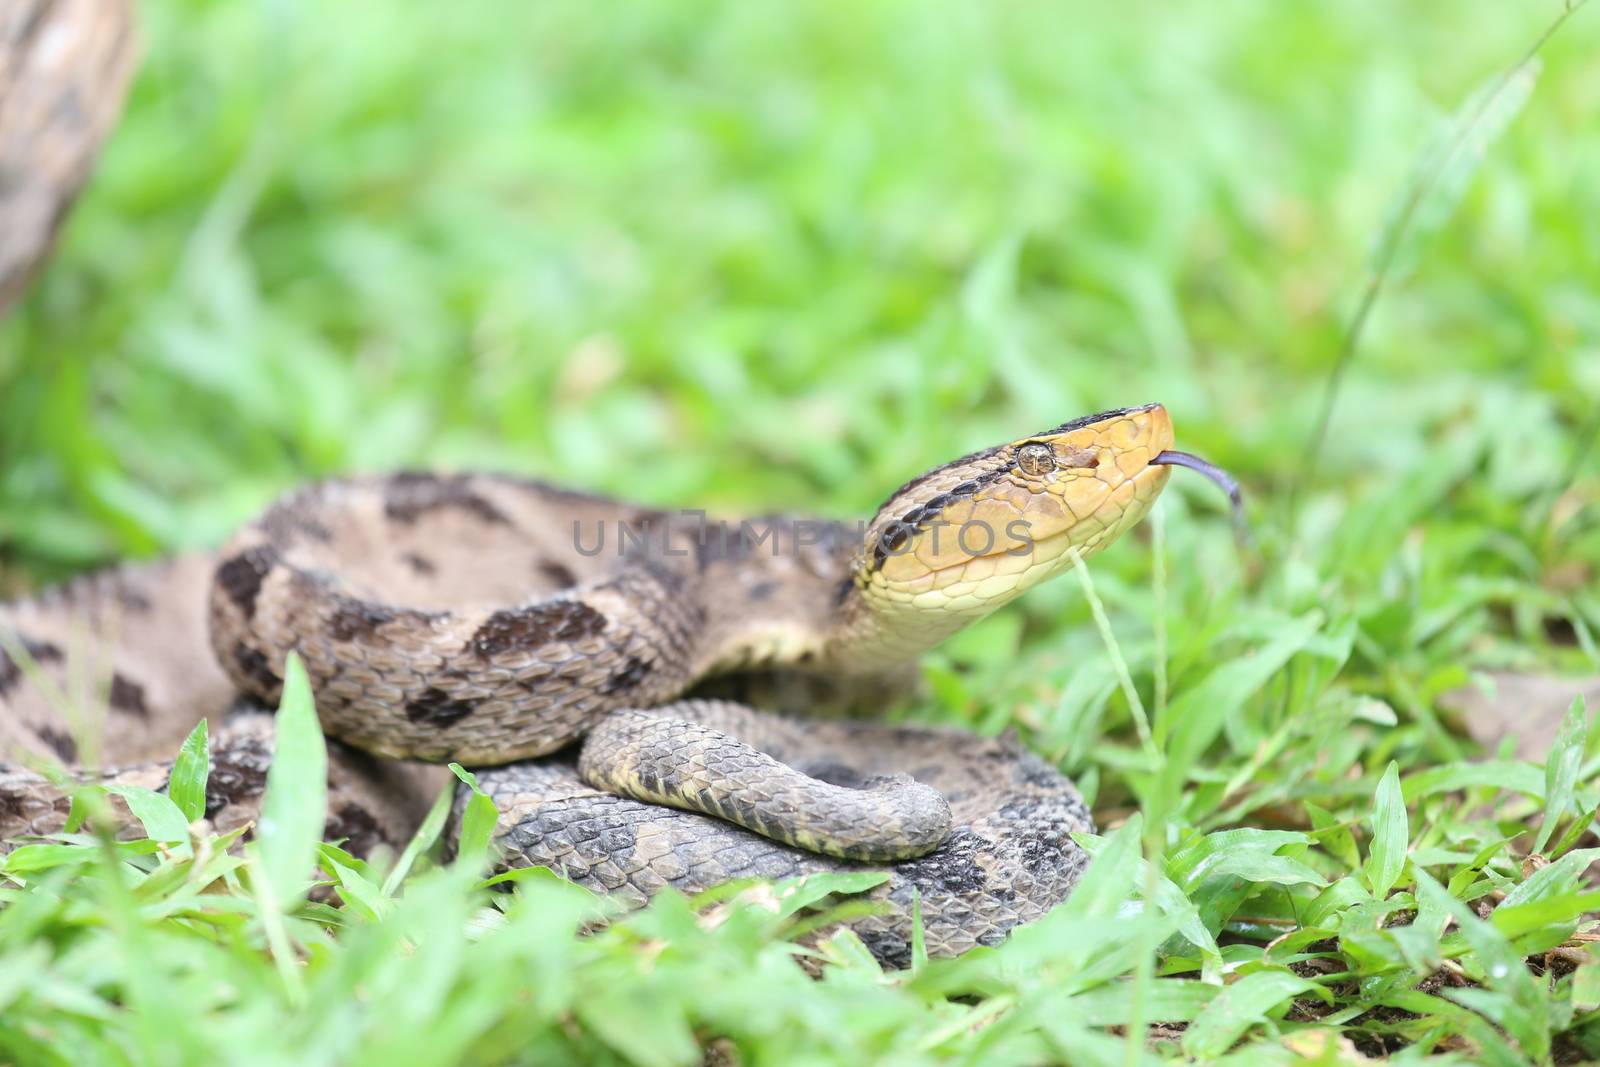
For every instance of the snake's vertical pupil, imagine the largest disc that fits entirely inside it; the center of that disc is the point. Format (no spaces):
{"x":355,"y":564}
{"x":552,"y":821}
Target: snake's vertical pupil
{"x":1036,"y":457}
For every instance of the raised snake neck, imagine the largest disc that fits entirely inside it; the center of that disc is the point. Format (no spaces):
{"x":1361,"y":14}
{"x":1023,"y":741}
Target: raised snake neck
{"x":451,"y":618}
{"x":463,"y":618}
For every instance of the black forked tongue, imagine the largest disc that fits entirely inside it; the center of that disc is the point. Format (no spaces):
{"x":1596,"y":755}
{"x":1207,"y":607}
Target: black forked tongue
{"x":1215,"y":474}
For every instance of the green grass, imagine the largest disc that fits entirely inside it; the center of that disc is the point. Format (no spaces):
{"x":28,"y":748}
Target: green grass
{"x":754,"y":256}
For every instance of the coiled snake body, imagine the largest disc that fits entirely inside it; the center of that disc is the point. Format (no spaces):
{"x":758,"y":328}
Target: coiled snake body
{"x":551,"y":637}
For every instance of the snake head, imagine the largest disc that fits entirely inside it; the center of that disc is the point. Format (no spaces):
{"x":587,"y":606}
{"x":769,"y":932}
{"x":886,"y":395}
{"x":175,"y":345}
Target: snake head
{"x":973,"y":534}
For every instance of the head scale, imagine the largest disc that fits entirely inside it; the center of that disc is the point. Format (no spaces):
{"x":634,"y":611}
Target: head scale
{"x":972,"y":535}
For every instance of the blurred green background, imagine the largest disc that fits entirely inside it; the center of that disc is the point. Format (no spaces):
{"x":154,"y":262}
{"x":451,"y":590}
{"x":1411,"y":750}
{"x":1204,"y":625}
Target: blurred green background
{"x":771,"y":255}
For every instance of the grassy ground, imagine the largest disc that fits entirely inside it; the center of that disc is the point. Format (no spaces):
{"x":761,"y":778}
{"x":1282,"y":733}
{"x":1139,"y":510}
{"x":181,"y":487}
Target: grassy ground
{"x":755,"y":256}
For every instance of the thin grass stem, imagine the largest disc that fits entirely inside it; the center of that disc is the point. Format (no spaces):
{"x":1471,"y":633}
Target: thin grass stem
{"x":1141,"y":721}
{"x":1393,"y":239}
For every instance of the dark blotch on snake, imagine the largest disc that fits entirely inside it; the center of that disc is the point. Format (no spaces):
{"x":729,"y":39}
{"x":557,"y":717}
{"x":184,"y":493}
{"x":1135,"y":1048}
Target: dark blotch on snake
{"x":435,"y":707}
{"x":41,"y":651}
{"x":558,"y":574}
{"x":25,"y":806}
{"x":1031,"y":770}
{"x":238,"y":773}
{"x":954,"y":864}
{"x":133,"y":601}
{"x":887,"y":946}
{"x":354,"y":619}
{"x":255,"y":667}
{"x":420,"y":564}
{"x":536,"y":626}
{"x":242,"y":576}
{"x":128,"y":695}
{"x":630,"y":675}
{"x":355,"y":824}
{"x":285,"y":524}
{"x":63,"y":744}
{"x":412,"y":494}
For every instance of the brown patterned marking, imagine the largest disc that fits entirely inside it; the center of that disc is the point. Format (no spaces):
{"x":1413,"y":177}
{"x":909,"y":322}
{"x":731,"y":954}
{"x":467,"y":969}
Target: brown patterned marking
{"x":242,"y":576}
{"x":23,"y":806}
{"x":558,"y":574}
{"x":132,"y":600}
{"x":412,"y":494}
{"x":284,"y":524}
{"x":628,"y":677}
{"x":41,"y":651}
{"x":128,"y":695}
{"x":238,"y":773}
{"x":897,"y":533}
{"x":12,"y":805}
{"x":1029,"y":769}
{"x":62,"y":744}
{"x":536,"y":626}
{"x":437,"y":708}
{"x":670,"y":580}
{"x":986,"y":453}
{"x":954,"y":866}
{"x":257,"y":669}
{"x":357,"y":827}
{"x":420,"y":564}
{"x":353,"y":619}
{"x":733,"y":543}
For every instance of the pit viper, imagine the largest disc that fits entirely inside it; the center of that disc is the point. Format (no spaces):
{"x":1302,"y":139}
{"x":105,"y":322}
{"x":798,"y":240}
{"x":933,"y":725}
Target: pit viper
{"x":569,"y":646}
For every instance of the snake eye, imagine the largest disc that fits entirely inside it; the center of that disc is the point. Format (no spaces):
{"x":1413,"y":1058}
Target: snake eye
{"x":1036,"y":458}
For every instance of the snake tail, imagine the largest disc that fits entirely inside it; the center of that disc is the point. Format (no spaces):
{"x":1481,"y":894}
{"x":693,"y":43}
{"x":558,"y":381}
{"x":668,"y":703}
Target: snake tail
{"x":663,"y":756}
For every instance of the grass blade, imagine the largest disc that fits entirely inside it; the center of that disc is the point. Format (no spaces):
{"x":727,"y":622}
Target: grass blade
{"x":1197,"y":715}
{"x":477,"y":821}
{"x":1422,"y":207}
{"x":294,"y":808}
{"x":160,"y":817}
{"x":190,"y":773}
{"x":1518,"y":1004}
{"x":1241,"y":1006}
{"x":353,"y":886}
{"x":1111,"y":875}
{"x":1561,"y":768}
{"x":432,"y":826}
{"x":1130,"y":693}
{"x":1390,"y":833}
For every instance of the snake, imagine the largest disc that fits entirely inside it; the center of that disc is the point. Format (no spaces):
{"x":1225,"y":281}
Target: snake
{"x":579,"y":651}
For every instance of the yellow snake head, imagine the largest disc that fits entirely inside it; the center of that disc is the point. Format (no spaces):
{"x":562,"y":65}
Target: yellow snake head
{"x":972,"y":535}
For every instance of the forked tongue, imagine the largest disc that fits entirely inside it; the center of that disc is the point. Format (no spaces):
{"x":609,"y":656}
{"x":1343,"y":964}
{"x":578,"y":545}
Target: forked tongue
{"x":1216,"y":475}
